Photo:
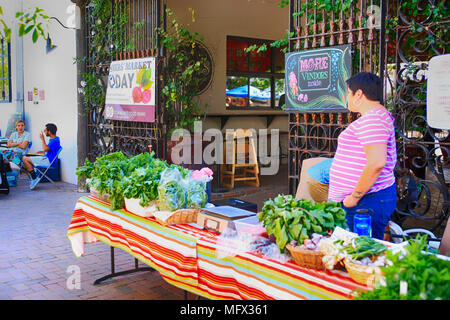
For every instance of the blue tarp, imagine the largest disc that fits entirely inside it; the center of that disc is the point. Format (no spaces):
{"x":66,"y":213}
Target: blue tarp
{"x":242,"y":92}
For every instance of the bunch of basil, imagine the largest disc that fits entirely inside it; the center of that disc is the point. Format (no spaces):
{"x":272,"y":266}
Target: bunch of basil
{"x":179,"y":190}
{"x":289,"y":219}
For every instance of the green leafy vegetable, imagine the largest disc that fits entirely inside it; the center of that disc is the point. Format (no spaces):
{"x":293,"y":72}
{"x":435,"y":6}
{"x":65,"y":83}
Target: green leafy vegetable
{"x":364,"y":246}
{"x":196,"y":196}
{"x":289,"y":219}
{"x":171,"y":191}
{"x":143,"y":182}
{"x":139,"y":177}
{"x":427,"y":276}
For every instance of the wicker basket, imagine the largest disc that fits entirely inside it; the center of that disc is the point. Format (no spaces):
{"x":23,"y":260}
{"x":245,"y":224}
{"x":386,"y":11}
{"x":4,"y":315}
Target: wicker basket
{"x":307,"y":258}
{"x":366,"y":275}
{"x":179,"y":216}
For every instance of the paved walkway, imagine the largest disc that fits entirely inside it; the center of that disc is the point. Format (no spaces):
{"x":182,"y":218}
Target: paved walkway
{"x":36,"y":257}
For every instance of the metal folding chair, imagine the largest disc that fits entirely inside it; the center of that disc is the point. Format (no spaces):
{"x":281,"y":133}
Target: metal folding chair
{"x":42,"y":174}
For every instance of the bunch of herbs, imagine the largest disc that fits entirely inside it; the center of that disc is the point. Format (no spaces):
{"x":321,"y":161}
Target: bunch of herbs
{"x":427,"y":276}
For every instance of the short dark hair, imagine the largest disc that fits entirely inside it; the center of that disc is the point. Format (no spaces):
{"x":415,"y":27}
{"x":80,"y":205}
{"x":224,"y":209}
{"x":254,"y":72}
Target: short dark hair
{"x":51,"y":127}
{"x":369,"y":83}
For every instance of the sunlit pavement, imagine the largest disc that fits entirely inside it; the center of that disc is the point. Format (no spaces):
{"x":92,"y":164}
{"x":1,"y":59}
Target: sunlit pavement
{"x":36,"y":258}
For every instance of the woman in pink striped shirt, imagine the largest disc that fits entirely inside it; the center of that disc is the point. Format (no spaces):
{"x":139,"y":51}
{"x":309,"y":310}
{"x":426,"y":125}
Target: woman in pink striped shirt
{"x":362,"y":172}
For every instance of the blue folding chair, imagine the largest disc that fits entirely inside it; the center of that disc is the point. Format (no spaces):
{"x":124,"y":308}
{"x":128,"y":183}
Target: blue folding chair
{"x":42,"y":173}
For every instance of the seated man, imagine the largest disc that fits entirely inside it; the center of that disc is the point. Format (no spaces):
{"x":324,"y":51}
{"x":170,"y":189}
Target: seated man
{"x":49,"y":153}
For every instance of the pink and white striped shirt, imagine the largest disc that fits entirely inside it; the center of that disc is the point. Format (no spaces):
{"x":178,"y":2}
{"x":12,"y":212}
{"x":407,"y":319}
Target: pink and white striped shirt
{"x":375,"y":127}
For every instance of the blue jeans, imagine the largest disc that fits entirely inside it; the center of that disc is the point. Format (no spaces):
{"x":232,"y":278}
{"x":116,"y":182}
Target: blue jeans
{"x":382,"y":203}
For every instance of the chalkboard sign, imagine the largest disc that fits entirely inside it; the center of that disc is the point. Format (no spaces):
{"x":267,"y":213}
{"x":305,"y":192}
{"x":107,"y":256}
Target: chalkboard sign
{"x":315,"y":79}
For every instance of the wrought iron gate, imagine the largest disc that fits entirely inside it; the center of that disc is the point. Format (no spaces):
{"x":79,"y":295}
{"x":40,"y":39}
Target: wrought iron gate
{"x":131,"y":33}
{"x":422,"y":150}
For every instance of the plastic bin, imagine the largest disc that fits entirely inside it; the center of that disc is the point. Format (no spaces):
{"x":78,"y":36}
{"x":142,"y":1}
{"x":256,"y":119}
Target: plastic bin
{"x":250,"y":225}
{"x":12,"y":178}
{"x":241,"y":204}
{"x":53,"y":173}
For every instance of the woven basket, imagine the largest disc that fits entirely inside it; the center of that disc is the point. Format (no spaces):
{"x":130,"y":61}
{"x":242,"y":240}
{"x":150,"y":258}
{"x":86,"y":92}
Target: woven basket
{"x":179,"y":216}
{"x":307,"y":258}
{"x":366,"y":275}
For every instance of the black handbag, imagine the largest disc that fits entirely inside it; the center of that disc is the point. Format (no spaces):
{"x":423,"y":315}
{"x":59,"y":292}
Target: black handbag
{"x":4,"y":168}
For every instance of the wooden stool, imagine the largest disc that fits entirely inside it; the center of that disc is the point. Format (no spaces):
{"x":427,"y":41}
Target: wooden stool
{"x":240,"y":155}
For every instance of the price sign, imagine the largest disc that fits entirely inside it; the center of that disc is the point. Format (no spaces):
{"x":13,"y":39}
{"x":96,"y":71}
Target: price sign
{"x":438,"y":92}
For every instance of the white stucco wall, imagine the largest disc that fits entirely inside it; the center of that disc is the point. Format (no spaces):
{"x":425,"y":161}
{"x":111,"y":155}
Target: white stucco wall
{"x":55,"y":73}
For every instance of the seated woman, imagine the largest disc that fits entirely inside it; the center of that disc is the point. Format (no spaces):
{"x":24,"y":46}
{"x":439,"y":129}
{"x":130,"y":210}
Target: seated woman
{"x":19,"y":140}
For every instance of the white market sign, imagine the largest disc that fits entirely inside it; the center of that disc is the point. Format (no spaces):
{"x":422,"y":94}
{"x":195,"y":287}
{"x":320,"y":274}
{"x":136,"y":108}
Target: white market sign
{"x":130,"y":94}
{"x":438,"y":92}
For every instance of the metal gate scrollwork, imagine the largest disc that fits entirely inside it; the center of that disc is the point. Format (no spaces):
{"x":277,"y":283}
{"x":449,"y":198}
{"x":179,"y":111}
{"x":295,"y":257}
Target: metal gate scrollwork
{"x":132,"y":25}
{"x":418,"y":30}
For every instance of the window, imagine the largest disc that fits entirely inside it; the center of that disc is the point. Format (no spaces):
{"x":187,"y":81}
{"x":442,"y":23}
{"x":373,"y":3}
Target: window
{"x":5,"y":71}
{"x":262,"y":72}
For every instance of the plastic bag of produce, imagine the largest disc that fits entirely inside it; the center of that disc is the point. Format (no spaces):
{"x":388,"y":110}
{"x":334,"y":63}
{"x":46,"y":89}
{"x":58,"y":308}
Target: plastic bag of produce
{"x":171,"y":190}
{"x":230,"y":243}
{"x":196,"y":196}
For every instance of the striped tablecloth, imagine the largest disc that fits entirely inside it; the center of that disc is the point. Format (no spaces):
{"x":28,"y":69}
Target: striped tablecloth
{"x":187,"y":257}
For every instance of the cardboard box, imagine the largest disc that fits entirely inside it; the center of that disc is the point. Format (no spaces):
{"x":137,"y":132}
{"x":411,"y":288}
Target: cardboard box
{"x":302,"y":189}
{"x":217,"y":219}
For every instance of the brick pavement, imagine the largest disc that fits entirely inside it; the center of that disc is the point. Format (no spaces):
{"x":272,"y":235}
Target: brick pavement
{"x":35,"y":255}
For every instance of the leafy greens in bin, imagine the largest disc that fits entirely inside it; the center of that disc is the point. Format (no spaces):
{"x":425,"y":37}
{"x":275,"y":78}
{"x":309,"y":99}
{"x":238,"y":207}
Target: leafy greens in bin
{"x":131,"y":177}
{"x":290,"y":220}
{"x":143,"y":182}
{"x":106,"y":174}
{"x":171,"y":190}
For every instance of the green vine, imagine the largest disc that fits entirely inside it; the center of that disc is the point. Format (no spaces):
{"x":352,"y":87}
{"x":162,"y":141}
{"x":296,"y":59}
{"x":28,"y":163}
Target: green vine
{"x":180,"y":84}
{"x":107,"y":32}
{"x":180,"y":88}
